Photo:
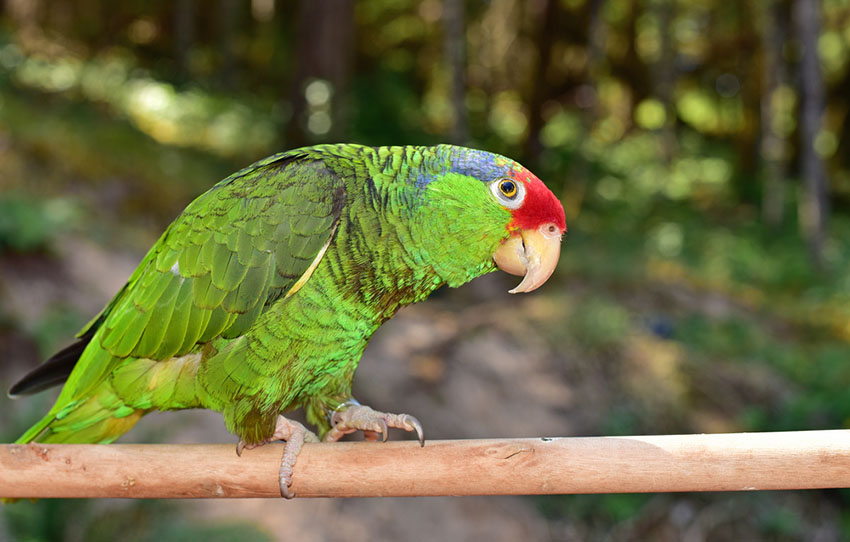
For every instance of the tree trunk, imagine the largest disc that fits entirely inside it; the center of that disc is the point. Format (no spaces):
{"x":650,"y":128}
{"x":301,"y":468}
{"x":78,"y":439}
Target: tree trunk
{"x":184,"y":35}
{"x":630,"y":68}
{"x":665,"y":78}
{"x":597,"y":34}
{"x":454,"y":43}
{"x":587,"y":97}
{"x":545,"y":39}
{"x":773,"y":145}
{"x":325,"y":50}
{"x":228,"y":12}
{"x":813,"y":204}
{"x":25,"y":16}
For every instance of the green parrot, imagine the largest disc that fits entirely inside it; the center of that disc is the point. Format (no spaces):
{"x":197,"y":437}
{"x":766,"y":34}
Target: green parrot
{"x":261,"y":296}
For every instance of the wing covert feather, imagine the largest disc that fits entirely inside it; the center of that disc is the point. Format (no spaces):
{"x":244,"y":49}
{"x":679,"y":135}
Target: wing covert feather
{"x":246,"y":240}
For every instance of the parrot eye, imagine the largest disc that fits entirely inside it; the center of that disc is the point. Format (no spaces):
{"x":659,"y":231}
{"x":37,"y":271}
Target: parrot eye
{"x":508,"y":192}
{"x":508,"y":188}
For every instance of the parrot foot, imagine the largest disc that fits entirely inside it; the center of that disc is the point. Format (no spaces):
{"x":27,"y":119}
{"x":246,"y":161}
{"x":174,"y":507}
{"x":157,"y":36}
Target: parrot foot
{"x":351,"y":416}
{"x":294,"y":434}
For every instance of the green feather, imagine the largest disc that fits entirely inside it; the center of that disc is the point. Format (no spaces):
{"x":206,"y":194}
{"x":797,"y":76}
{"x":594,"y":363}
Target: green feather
{"x":198,"y":320}
{"x":220,"y":320}
{"x":161,"y":310}
{"x":206,"y":295}
{"x":228,"y":272}
{"x":190,"y":262}
{"x":128,"y":326}
{"x":175,"y":327}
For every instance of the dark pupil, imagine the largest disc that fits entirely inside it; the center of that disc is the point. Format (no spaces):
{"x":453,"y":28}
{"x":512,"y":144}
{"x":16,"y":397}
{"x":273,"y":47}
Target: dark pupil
{"x":508,"y":188}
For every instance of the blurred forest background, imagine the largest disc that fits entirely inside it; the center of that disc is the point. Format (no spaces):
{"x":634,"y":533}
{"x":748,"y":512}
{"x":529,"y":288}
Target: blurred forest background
{"x":702,"y":152}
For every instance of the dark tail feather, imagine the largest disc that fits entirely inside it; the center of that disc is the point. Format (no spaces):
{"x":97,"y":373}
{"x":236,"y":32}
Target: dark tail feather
{"x":52,"y":372}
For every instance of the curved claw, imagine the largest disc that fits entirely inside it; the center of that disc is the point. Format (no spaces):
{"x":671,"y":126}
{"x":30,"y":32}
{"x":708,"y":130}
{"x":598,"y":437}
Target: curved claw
{"x":415,"y":426}
{"x":240,"y":447}
{"x":385,"y":430}
{"x":285,"y":492}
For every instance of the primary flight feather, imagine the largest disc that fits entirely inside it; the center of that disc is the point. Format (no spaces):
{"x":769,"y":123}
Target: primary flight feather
{"x":261,"y":296}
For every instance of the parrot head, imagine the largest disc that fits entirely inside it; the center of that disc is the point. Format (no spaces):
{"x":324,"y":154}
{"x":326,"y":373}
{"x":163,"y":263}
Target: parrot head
{"x":537,"y":223}
{"x":495,"y":211}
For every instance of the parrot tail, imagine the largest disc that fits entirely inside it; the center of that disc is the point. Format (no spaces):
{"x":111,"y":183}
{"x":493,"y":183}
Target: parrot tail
{"x":54,"y":371}
{"x":99,"y":418}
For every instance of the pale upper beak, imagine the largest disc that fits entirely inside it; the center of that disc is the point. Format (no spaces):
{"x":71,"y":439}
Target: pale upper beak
{"x":533,"y":253}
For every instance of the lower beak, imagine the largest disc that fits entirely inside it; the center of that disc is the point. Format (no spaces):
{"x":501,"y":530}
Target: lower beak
{"x":532,"y":254}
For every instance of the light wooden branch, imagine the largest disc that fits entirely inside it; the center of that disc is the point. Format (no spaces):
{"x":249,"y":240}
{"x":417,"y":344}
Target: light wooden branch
{"x":725,"y":462}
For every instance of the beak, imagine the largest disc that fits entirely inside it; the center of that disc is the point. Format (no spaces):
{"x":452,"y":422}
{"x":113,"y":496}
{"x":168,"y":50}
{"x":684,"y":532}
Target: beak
{"x":532,"y":254}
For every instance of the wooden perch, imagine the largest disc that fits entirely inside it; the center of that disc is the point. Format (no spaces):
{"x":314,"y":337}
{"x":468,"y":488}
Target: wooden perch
{"x":726,"y":462}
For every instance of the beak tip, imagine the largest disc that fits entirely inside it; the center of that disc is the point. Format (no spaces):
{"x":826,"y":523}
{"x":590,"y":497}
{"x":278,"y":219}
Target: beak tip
{"x":532,"y":255}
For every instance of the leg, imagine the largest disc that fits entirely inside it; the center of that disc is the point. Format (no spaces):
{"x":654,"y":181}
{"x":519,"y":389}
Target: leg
{"x":351,"y":416}
{"x":294,"y":434}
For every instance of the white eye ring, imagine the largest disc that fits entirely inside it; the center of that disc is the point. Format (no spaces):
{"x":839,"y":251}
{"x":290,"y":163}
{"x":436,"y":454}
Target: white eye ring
{"x":508,"y":192}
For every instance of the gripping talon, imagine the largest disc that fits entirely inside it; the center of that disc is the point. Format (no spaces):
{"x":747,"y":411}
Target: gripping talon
{"x":294,"y":434}
{"x":351,"y":416}
{"x":385,"y":431}
{"x":284,"y":490}
{"x":411,"y":421}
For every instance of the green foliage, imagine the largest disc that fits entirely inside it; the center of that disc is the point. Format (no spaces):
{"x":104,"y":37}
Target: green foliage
{"x":782,"y":522}
{"x":138,"y":521}
{"x":189,"y":117}
{"x":610,"y":509}
{"x":736,"y":336}
{"x":28,"y":224}
{"x":622,"y":419}
{"x":599,"y":323}
{"x":58,"y":323}
{"x":379,"y":93}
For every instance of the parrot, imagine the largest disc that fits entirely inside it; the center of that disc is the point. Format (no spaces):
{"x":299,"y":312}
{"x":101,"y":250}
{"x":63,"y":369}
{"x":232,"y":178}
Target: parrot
{"x":261,"y":296}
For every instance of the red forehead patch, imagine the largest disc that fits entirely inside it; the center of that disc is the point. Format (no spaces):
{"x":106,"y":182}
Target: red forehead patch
{"x":540,"y":205}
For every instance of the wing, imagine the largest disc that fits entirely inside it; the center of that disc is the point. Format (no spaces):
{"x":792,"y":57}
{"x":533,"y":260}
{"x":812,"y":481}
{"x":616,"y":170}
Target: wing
{"x":238,"y":247}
